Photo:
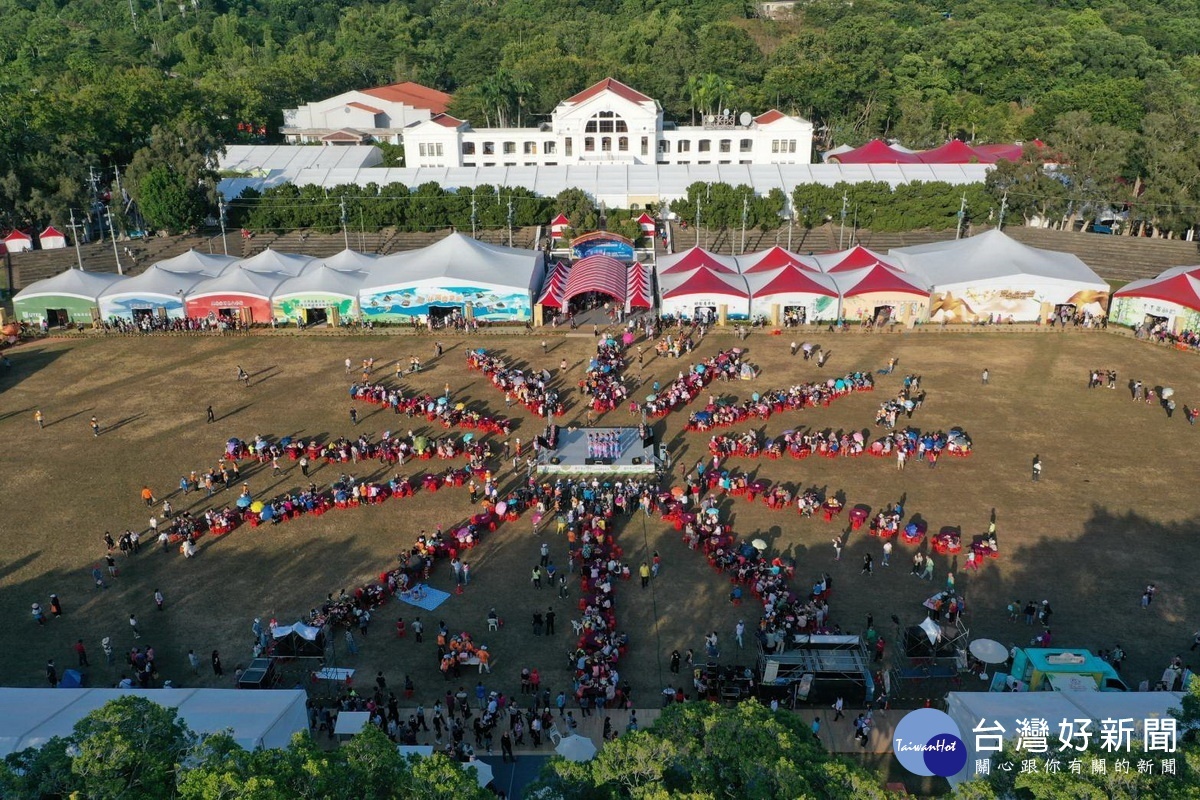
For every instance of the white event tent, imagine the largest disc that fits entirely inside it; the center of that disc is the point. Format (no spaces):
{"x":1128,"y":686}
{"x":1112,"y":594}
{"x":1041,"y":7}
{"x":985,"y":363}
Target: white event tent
{"x":480,"y":280}
{"x":994,"y":276}
{"x":701,"y":293}
{"x":1171,"y":299}
{"x":268,"y":718}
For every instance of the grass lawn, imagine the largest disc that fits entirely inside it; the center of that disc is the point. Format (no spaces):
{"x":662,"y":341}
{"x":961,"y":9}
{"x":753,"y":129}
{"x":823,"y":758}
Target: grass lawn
{"x":1116,"y":507}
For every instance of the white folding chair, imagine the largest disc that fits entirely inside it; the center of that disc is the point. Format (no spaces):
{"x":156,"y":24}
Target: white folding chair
{"x":554,"y":734}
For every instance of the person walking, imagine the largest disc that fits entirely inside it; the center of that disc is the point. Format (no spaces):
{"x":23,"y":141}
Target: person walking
{"x":354,"y":416}
{"x":868,"y":567}
{"x":837,"y":548}
{"x":675,"y":657}
{"x":193,"y":662}
{"x":107,"y":649}
{"x":81,"y":651}
{"x":159,"y":600}
{"x":39,"y":419}
{"x":211,"y":416}
{"x":95,"y":423}
{"x":739,"y":631}
{"x":55,"y":606}
{"x":51,"y":674}
{"x":838,"y":706}
{"x":218,"y":670}
{"x":133,"y":624}
{"x":644,"y":571}
{"x":1037,"y":469}
{"x":887,"y":552}
{"x":506,"y":748}
{"x":536,"y":577}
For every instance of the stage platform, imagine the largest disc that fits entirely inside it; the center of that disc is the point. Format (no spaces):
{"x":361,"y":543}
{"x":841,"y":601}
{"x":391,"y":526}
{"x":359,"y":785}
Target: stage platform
{"x":571,"y":457}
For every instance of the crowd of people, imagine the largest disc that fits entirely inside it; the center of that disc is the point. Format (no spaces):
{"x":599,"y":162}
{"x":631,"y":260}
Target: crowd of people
{"x":434,"y":409}
{"x":841,"y":443}
{"x":719,"y":414}
{"x":530,"y":389}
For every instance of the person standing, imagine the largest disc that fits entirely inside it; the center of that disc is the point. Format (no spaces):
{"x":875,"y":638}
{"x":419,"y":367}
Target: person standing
{"x":106,"y":648}
{"x":739,"y":631}
{"x":506,"y":748}
{"x":194,"y":662}
{"x":1037,"y":469}
{"x":159,"y":600}
{"x":868,"y":567}
{"x":95,"y":423}
{"x":55,"y":606}
{"x":837,"y":548}
{"x":218,"y":670}
{"x":986,"y":374}
{"x":887,"y":552}
{"x":838,"y":706}
{"x":211,"y":416}
{"x":550,"y":621}
{"x":39,"y":419}
{"x":644,"y":571}
{"x":51,"y":674}
{"x":675,"y":657}
{"x":545,"y":551}
{"x":353,"y":416}
{"x":133,"y":624}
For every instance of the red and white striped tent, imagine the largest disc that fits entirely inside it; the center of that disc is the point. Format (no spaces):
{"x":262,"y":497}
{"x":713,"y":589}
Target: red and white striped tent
{"x":552,"y":291}
{"x":598,"y":273}
{"x":773,"y":259}
{"x":558,"y":225}
{"x":638,"y":294}
{"x":647,"y":224}
{"x":52,"y":238}
{"x":17,"y":242}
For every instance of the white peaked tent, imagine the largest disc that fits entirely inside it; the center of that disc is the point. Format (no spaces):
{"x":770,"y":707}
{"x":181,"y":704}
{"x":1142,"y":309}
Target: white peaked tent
{"x":458,"y":273}
{"x":156,"y":288}
{"x":267,"y":719}
{"x":805,"y":295}
{"x":994,"y":276}
{"x":1170,"y":299}
{"x":694,"y":258}
{"x":234,"y":290}
{"x":351,"y":261}
{"x":210,"y":264}
{"x":701,"y":293}
{"x":273,"y":261}
{"x":970,"y":709}
{"x":309,"y":296}
{"x":69,"y":296}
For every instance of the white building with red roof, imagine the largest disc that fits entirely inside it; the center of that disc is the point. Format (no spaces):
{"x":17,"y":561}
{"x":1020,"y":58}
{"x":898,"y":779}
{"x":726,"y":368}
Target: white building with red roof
{"x":610,"y":123}
{"x":364,"y":115}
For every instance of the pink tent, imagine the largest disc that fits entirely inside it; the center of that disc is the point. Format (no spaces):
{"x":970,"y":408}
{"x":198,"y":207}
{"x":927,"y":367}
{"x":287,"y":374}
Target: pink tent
{"x":953,"y":152}
{"x":875,"y":151}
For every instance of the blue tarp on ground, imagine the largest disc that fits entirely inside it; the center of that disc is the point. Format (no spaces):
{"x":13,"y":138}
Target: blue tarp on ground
{"x":430,"y":598}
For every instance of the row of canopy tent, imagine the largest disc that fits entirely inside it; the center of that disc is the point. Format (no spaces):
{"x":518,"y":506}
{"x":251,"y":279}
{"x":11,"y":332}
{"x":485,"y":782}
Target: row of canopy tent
{"x":986,"y":277}
{"x":457,"y":273}
{"x":255,"y":719}
{"x":955,"y":151}
{"x":51,"y":238}
{"x":1170,"y":299}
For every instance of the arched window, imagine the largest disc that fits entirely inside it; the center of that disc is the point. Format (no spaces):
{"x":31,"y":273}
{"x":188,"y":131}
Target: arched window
{"x":606,"y":122}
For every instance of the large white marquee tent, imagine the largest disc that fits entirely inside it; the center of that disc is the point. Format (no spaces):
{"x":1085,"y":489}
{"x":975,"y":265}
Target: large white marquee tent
{"x":992,"y":276}
{"x":268,"y":719}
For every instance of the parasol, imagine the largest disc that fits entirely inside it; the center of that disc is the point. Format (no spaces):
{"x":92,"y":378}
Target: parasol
{"x":285,"y":441}
{"x":268,"y":513}
{"x":460,"y":406}
{"x":443,"y":400}
{"x":467,"y":437}
{"x":712,"y":512}
{"x":421,"y":443}
{"x":989,"y":651}
{"x":244,"y":501}
{"x":483,"y":772}
{"x":932,"y":630}
{"x":576,"y":748}
{"x":1167,"y":392}
{"x":806,"y":347}
{"x":759,"y":545}
{"x":501,"y":507}
{"x":677,"y":491}
{"x":256,"y":507}
{"x":700,"y":368}
{"x":650,"y":398}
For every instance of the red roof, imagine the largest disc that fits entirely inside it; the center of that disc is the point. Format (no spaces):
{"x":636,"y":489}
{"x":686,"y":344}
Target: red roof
{"x":610,"y":85}
{"x":1182,"y":288}
{"x":51,"y":232}
{"x":17,"y":236}
{"x":446,"y":121}
{"x":952,"y":152}
{"x":561,"y":219}
{"x":412,"y":94}
{"x":858,"y":257}
{"x":694,"y":258}
{"x":881,"y":279}
{"x":598,"y":273}
{"x":794,"y":281}
{"x":704,"y":281}
{"x":364,"y":107}
{"x":645,"y":218}
{"x":875,"y":151}
{"x":775,"y":258}
{"x":992,"y":153}
{"x":770,"y":116}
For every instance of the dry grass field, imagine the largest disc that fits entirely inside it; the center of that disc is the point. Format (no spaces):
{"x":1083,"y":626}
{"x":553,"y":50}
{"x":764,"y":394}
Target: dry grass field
{"x":1116,"y":508}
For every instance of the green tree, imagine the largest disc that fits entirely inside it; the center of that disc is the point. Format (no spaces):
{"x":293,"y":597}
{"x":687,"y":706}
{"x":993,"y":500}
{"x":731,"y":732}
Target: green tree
{"x":168,"y":203}
{"x":578,"y":207}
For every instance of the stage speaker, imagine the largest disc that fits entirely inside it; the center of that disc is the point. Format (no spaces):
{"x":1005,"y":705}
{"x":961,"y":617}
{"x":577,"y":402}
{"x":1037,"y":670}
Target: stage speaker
{"x":648,"y":441}
{"x":589,"y":461}
{"x":555,"y":460}
{"x":637,"y":460}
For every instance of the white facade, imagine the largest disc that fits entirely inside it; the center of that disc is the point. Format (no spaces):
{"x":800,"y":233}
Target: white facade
{"x":354,"y":117}
{"x":606,"y":124}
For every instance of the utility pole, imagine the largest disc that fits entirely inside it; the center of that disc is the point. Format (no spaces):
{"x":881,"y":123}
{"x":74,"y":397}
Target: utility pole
{"x":113,"y":233}
{"x":842,"y":232}
{"x":474,"y":216}
{"x":698,"y":204}
{"x":133,"y":16}
{"x":510,"y":222}
{"x":1003,"y":208}
{"x":221,"y":214}
{"x":117,"y":179}
{"x":345,"y":233}
{"x":75,"y":237}
{"x":962,"y":215}
{"x":745,"y":212}
{"x":791,"y":218}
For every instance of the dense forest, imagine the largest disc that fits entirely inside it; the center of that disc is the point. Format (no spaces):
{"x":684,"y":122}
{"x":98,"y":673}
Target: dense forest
{"x":147,"y":85}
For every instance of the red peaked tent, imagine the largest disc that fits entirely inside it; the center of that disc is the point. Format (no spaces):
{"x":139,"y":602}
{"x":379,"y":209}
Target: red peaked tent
{"x":875,"y":151}
{"x":1182,"y":288}
{"x":703,"y":281}
{"x":693,"y":258}
{"x":794,"y":281}
{"x":551,"y":296}
{"x":953,"y":152}
{"x":638,"y":291}
{"x":771,"y":259}
{"x":878,"y":278}
{"x":856,"y":257}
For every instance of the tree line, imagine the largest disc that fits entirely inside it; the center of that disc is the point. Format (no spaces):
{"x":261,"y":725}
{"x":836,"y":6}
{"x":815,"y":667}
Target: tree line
{"x":91,"y":84}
